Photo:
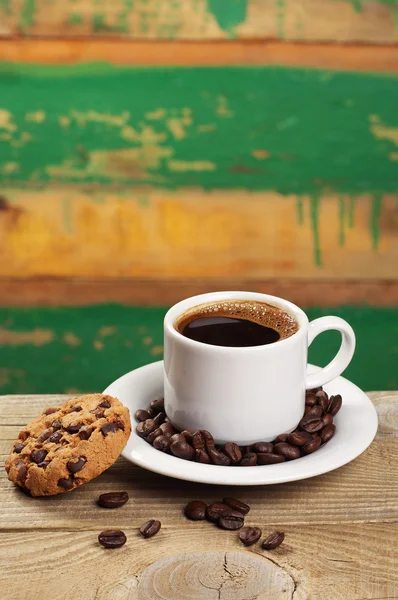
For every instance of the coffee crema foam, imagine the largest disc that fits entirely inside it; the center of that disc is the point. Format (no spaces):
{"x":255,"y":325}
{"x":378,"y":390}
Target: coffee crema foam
{"x":250,"y":310}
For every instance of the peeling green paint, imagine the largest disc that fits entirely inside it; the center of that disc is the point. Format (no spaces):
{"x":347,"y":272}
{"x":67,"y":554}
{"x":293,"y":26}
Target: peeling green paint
{"x":375,"y":212}
{"x":300,"y":210}
{"x":228,"y":13}
{"x":28,"y":14}
{"x":315,"y":203}
{"x":358,"y":5}
{"x":342,"y":221}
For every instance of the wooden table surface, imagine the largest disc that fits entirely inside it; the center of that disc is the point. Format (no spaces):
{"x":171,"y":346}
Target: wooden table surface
{"x":341,"y":532}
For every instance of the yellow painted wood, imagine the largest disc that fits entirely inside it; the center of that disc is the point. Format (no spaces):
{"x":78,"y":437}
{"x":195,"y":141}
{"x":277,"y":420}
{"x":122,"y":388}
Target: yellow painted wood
{"x":190,"y":233}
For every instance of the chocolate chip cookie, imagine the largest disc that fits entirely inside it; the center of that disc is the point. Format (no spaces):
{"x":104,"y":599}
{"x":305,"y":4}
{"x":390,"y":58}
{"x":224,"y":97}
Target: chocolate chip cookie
{"x":69,"y":445}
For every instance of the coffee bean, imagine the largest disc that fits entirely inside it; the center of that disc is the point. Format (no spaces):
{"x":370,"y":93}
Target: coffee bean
{"x":248,"y":460}
{"x":195,"y":510}
{"x":144,"y":428}
{"x":18,"y":447}
{"x":201,"y":456}
{"x":287,"y":450}
{"x":182,"y":450}
{"x":112,"y":538}
{"x":219,"y":458}
{"x":44,"y":435}
{"x":297,"y":438}
{"x":327,"y":419}
{"x":236,"y":504}
{"x":157,"y":406}
{"x":142,"y":415}
{"x":327,"y":433}
{"x":307,"y":409}
{"x":85,"y":432}
{"x":187,"y":435}
{"x":109,"y":428}
{"x":74,"y":427}
{"x":198,"y":441}
{"x":76,"y":464}
{"x":162,"y":443}
{"x":50,"y":410}
{"x":150,"y":528}
{"x":43,"y":464}
{"x":98,"y":412}
{"x":335,"y":403}
{"x":233,"y":452}
{"x":167,"y":429}
{"x":216,"y":510}
{"x":66,"y":482}
{"x":152,"y":436}
{"x":113,"y":499}
{"x":273,"y":540}
{"x":105,"y":404}
{"x":270,"y":458}
{"x":56,"y":424}
{"x":247,"y":449}
{"x":178,"y":437}
{"x":323,"y":402}
{"x":159,"y":418}
{"x":75,"y":409}
{"x":310,"y":399}
{"x":314,"y":390}
{"x":231,"y":521}
{"x":263,"y":447}
{"x":250,"y":535}
{"x":281,"y":438}
{"x":313,"y":426}
{"x":38,"y":455}
{"x":22,"y":470}
{"x":310,"y":447}
{"x":314,"y":414}
{"x":209,"y":440}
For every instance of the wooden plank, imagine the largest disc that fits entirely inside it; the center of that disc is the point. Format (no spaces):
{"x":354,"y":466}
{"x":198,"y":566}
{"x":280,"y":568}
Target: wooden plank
{"x":306,"y":20}
{"x":162,"y":235}
{"x":321,"y":55}
{"x":350,"y":494}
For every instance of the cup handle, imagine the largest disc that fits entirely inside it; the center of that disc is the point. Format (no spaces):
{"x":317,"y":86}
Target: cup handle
{"x":343,"y":356}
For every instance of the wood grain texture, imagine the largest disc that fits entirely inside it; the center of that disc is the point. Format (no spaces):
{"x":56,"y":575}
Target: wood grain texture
{"x":341,"y":531}
{"x":307,"y":20}
{"x":250,"y":52}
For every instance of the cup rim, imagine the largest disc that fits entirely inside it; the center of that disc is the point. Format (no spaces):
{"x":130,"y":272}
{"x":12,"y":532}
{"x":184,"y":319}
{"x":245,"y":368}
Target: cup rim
{"x":180,"y":307}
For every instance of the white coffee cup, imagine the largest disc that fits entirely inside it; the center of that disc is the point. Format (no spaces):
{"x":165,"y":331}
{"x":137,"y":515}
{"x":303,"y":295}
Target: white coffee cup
{"x":245,"y":394}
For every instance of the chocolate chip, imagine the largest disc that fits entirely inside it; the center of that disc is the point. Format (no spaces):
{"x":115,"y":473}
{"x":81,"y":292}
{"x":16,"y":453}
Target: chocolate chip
{"x":18,"y":447}
{"x":55,"y":437}
{"x":237,"y":505}
{"x":105,"y":404}
{"x":250,"y":535}
{"x":75,"y":409}
{"x":44,"y":435}
{"x":150,"y":528}
{"x":162,"y":443}
{"x":43,"y":464}
{"x":74,"y":427}
{"x":38,"y":455}
{"x":98,"y":412}
{"x":112,"y":538}
{"x":216,"y":510}
{"x":22,"y":470}
{"x":56,"y":424}
{"x":50,"y":410}
{"x":157,"y":406}
{"x":269,"y":458}
{"x":273,"y":540}
{"x":263,"y":447}
{"x":113,"y":499}
{"x":66,"y":483}
{"x":109,"y":428}
{"x":76,"y":464}
{"x":24,"y":435}
{"x":248,"y":460}
{"x":195,"y":510}
{"x":182,"y":450}
{"x":142,"y":415}
{"x":233,"y":452}
{"x":85,"y":432}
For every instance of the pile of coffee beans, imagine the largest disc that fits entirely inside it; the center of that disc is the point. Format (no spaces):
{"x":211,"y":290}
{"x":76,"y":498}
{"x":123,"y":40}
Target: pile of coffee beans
{"x":230,"y":514}
{"x":315,"y":429}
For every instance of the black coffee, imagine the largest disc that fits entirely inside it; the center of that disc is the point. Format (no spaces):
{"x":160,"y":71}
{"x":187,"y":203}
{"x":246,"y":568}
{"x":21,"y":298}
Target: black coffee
{"x":236,"y":323}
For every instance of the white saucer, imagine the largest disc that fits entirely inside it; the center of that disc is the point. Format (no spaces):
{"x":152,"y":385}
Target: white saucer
{"x":356,"y":426}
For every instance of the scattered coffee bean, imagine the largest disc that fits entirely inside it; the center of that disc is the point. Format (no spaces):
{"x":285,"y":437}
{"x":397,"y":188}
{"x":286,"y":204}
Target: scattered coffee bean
{"x":297,"y":438}
{"x":307,"y":409}
{"x":195,"y":510}
{"x":38,"y":455}
{"x":269,"y":458}
{"x":231,"y":521}
{"x":109,"y":428}
{"x":142,"y":415}
{"x":335,"y":403}
{"x":150,"y":528}
{"x":162,"y":443}
{"x":327,"y":419}
{"x":250,"y":535}
{"x":248,"y":460}
{"x":201,"y":456}
{"x":273,"y":540}
{"x":152,"y":436}
{"x":216,"y":510}
{"x":157,"y":406}
{"x":113,"y":499}
{"x":22,"y":470}
{"x":66,"y":482}
{"x":263,"y":447}
{"x":209,"y":440}
{"x":105,"y":404}
{"x":287,"y":450}
{"x":178,"y":437}
{"x":198,"y":441}
{"x":167,"y":429}
{"x":74,"y":427}
{"x":187,"y":435}
{"x":310,"y":399}
{"x":313,"y":426}
{"x":182,"y":450}
{"x":44,"y":464}
{"x":50,"y":410}
{"x":281,"y":438}
{"x":233,"y":452}
{"x":112,"y":538}
{"x":18,"y":447}
{"x":219,"y":458}
{"x":236,"y":504}
{"x":310,"y":447}
{"x":56,"y":425}
{"x":327,"y":433}
{"x":159,"y":418}
{"x":323,"y":402}
{"x":144,"y":428}
{"x":76,"y":464}
{"x":85,"y":432}
{"x":322,"y":394}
